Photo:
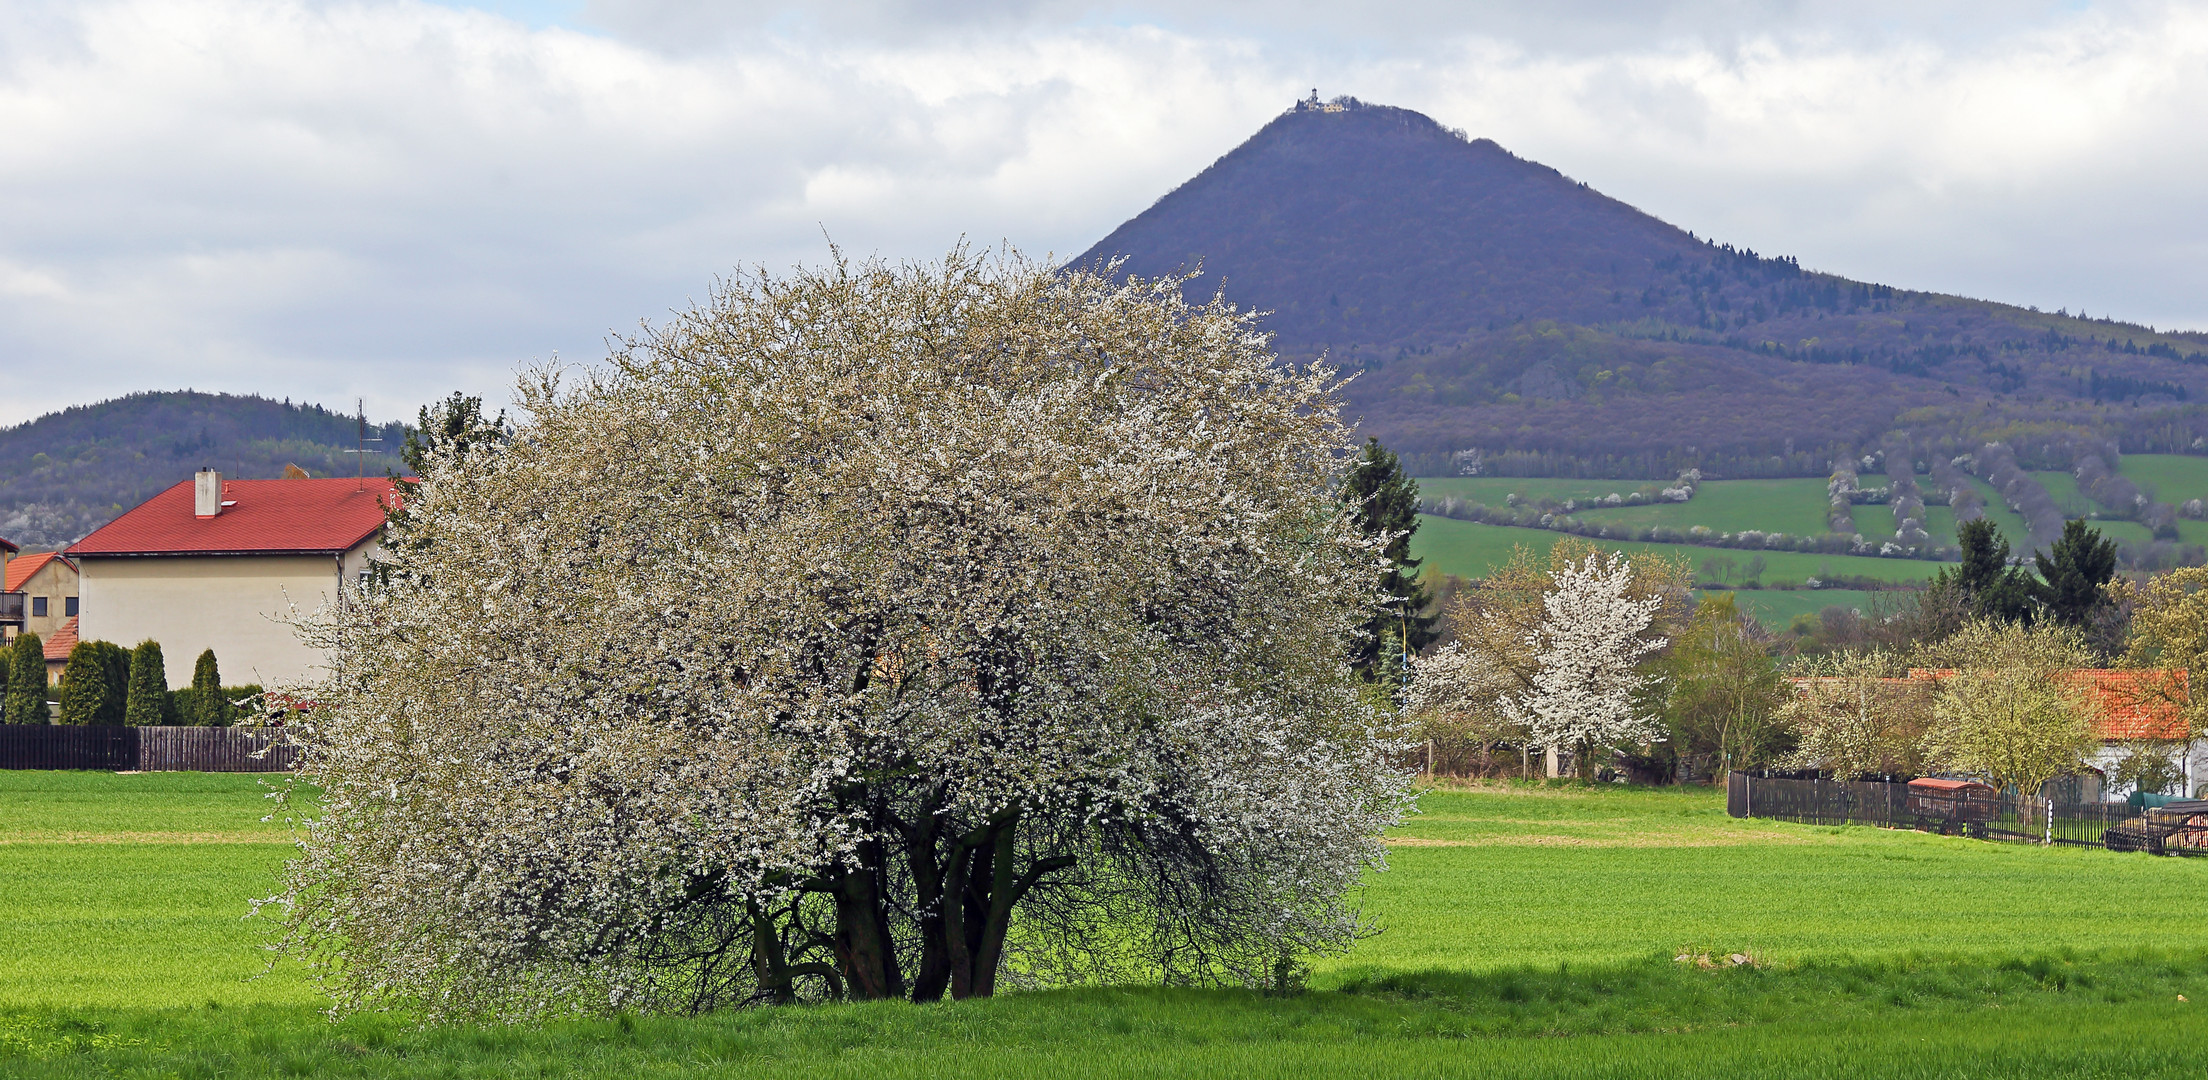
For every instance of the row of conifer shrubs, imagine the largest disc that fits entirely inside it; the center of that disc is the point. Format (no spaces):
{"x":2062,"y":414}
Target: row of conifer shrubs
{"x":104,"y":683}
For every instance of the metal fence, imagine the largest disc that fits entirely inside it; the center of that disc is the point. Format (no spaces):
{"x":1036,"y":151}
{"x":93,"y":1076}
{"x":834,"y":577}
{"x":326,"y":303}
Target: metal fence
{"x":2014,"y":818}
{"x":148,"y":749}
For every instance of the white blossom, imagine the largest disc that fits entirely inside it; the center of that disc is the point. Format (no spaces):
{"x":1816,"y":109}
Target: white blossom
{"x":879,"y":630}
{"x":1589,"y":647}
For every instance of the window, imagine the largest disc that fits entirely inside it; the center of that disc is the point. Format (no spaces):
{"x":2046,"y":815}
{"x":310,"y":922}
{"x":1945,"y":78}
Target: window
{"x":38,"y":607}
{"x":69,"y":606}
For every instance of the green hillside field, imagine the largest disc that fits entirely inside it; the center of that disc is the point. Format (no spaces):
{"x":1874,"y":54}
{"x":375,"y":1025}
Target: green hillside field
{"x":2170,"y":478}
{"x":1469,"y":549}
{"x":1524,"y":930}
{"x":1794,"y":506}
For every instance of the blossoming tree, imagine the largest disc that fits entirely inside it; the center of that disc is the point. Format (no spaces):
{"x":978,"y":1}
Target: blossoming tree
{"x":1585,"y":693}
{"x":876,"y":631}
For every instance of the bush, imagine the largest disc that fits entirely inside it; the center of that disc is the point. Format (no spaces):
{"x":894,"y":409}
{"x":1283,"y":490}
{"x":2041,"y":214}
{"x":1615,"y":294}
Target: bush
{"x":205,"y":704}
{"x":84,"y":685}
{"x":26,"y":700}
{"x":146,"y":697}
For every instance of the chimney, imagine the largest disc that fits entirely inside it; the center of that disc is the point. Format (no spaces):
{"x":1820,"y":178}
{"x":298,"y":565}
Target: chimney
{"x":206,"y":494}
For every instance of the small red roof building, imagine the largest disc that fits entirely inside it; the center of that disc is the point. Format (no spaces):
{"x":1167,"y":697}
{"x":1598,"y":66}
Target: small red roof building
{"x":258,"y":517}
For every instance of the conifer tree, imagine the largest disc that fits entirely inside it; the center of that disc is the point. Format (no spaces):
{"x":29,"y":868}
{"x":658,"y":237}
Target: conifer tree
{"x":1385,"y":501}
{"x":2076,"y":570}
{"x":26,"y":701}
{"x":208,"y":707}
{"x":1987,"y":585}
{"x":148,"y":689}
{"x":84,"y":685}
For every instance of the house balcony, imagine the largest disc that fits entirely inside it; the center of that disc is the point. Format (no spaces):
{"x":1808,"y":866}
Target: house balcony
{"x":12,"y":607}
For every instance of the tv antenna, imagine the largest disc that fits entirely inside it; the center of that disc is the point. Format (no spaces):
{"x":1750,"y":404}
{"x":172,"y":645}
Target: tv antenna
{"x":361,"y":441}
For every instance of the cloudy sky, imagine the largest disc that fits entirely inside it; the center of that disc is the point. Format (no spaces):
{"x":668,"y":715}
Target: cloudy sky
{"x":390,"y":200}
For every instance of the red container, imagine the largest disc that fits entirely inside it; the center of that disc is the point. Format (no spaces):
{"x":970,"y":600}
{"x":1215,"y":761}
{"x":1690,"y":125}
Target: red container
{"x":1953,"y":800}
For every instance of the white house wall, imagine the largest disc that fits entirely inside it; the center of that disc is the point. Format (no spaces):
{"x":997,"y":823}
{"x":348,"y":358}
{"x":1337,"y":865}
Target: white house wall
{"x":2193,"y":758}
{"x":228,"y":603}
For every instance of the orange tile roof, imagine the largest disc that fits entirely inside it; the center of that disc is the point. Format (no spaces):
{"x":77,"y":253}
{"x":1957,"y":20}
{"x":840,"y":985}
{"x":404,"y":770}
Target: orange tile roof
{"x":64,"y":639}
{"x":20,"y":570}
{"x":2135,"y":704}
{"x":260,"y":517}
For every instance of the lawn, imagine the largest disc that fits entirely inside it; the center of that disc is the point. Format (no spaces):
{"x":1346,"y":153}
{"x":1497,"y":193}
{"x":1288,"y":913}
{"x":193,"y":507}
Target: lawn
{"x":2170,"y":478}
{"x":1493,"y":490}
{"x":1525,"y":931}
{"x":1776,"y":608}
{"x":1470,"y":549}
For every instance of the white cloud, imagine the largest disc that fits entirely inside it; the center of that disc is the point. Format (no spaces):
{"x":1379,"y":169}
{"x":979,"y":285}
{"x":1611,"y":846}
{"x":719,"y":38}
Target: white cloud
{"x":388,"y":199}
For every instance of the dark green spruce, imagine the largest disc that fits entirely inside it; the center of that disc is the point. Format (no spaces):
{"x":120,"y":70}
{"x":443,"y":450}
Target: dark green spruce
{"x":1385,"y":502}
{"x":2076,"y":571}
{"x":1984,"y":584}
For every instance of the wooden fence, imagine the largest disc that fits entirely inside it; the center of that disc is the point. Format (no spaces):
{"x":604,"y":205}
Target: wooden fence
{"x":147,"y":749}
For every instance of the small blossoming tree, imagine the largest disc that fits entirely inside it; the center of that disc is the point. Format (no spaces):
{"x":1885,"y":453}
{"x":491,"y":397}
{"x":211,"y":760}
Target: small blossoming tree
{"x":879,"y":631}
{"x":1586,"y":692}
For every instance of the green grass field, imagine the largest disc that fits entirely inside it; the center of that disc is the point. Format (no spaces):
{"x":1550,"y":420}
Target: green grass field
{"x":1797,"y":506}
{"x":1493,"y":490}
{"x":1470,"y":549}
{"x":1776,"y":608}
{"x":2170,"y":478}
{"x":1524,"y":931}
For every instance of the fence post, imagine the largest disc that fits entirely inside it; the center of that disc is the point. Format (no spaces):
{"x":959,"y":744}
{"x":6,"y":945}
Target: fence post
{"x":2050,"y":823}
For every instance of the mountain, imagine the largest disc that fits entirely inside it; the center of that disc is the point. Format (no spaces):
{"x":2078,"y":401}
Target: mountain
{"x":67,"y":473}
{"x":1492,"y":303}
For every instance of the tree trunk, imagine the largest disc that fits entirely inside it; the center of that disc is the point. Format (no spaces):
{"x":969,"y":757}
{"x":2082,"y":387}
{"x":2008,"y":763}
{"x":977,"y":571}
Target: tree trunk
{"x":864,"y":949}
{"x":996,"y":921}
{"x":934,"y":976}
{"x":768,"y":962}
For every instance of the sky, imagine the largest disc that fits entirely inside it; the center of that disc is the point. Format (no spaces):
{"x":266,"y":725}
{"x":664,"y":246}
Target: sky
{"x":387,"y":200}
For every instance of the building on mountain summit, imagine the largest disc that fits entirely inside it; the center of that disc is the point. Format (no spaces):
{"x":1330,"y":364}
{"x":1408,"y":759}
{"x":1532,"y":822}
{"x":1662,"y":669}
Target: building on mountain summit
{"x":222,"y":564}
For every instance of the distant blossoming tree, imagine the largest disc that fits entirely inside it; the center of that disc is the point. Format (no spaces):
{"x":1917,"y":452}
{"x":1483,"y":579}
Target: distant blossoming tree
{"x":1586,"y":693}
{"x":876,"y":631}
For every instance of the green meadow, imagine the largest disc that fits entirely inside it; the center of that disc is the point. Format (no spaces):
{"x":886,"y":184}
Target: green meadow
{"x":2170,"y":478}
{"x":1795,"y":506}
{"x":1470,"y":549}
{"x":1522,"y":930}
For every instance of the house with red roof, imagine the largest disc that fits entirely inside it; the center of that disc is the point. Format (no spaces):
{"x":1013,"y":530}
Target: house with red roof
{"x":221,"y":564}
{"x":48,"y":582}
{"x":2133,"y":710}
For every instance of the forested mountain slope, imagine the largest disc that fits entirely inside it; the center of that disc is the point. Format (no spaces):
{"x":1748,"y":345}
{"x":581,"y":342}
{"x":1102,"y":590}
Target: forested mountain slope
{"x":67,"y":473}
{"x":1493,"y":303}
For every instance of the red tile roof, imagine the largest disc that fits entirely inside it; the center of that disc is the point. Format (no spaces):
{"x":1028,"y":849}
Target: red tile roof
{"x":20,"y":570}
{"x":2132,"y":704}
{"x":64,"y":639}
{"x":264,"y":517}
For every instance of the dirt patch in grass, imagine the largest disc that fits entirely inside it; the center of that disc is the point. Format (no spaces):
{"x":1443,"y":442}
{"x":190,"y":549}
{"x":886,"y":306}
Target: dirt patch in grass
{"x":59,"y":836}
{"x":1696,"y":839}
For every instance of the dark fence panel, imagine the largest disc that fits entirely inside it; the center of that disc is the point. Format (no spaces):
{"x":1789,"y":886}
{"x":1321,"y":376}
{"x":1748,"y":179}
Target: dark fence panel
{"x":151,"y":749}
{"x":214,"y":749}
{"x":44,"y":746}
{"x":2016,"y":819}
